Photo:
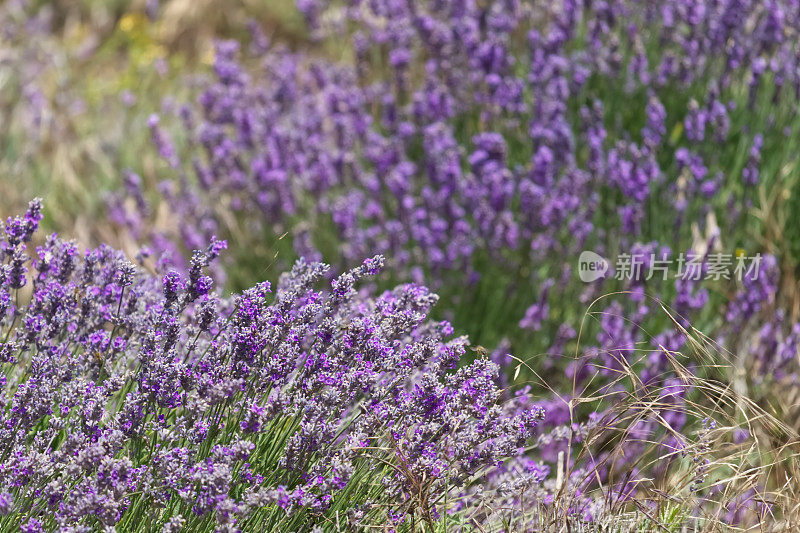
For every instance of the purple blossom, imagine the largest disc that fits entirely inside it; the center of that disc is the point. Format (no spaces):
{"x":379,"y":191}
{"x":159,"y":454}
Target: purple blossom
{"x":132,"y":385}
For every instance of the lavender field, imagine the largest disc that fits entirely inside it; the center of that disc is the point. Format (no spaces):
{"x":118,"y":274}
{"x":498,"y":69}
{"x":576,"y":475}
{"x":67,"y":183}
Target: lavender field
{"x":400,"y":266}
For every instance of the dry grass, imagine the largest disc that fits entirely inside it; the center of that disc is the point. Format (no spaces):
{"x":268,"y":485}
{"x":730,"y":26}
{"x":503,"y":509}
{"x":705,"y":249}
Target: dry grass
{"x":750,"y":458}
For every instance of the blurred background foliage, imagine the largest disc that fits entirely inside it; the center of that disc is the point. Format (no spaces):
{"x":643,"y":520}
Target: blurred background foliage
{"x":70,"y":77}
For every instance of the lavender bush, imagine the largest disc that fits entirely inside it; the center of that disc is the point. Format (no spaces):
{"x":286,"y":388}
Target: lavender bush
{"x":132,"y":396}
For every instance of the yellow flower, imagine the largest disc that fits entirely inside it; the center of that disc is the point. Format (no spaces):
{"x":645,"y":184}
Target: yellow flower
{"x":127,"y":22}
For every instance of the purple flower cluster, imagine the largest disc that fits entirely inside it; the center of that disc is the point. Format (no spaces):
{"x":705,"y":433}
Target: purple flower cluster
{"x":378,"y":148}
{"x":470,"y":139}
{"x":129,"y":393}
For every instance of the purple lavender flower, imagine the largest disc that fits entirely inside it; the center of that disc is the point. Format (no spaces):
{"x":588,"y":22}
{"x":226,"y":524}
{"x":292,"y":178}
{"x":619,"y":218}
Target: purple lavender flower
{"x":127,"y":388}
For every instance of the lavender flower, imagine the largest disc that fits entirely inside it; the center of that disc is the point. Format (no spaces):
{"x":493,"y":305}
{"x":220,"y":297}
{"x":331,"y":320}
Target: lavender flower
{"x":129,"y":390}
